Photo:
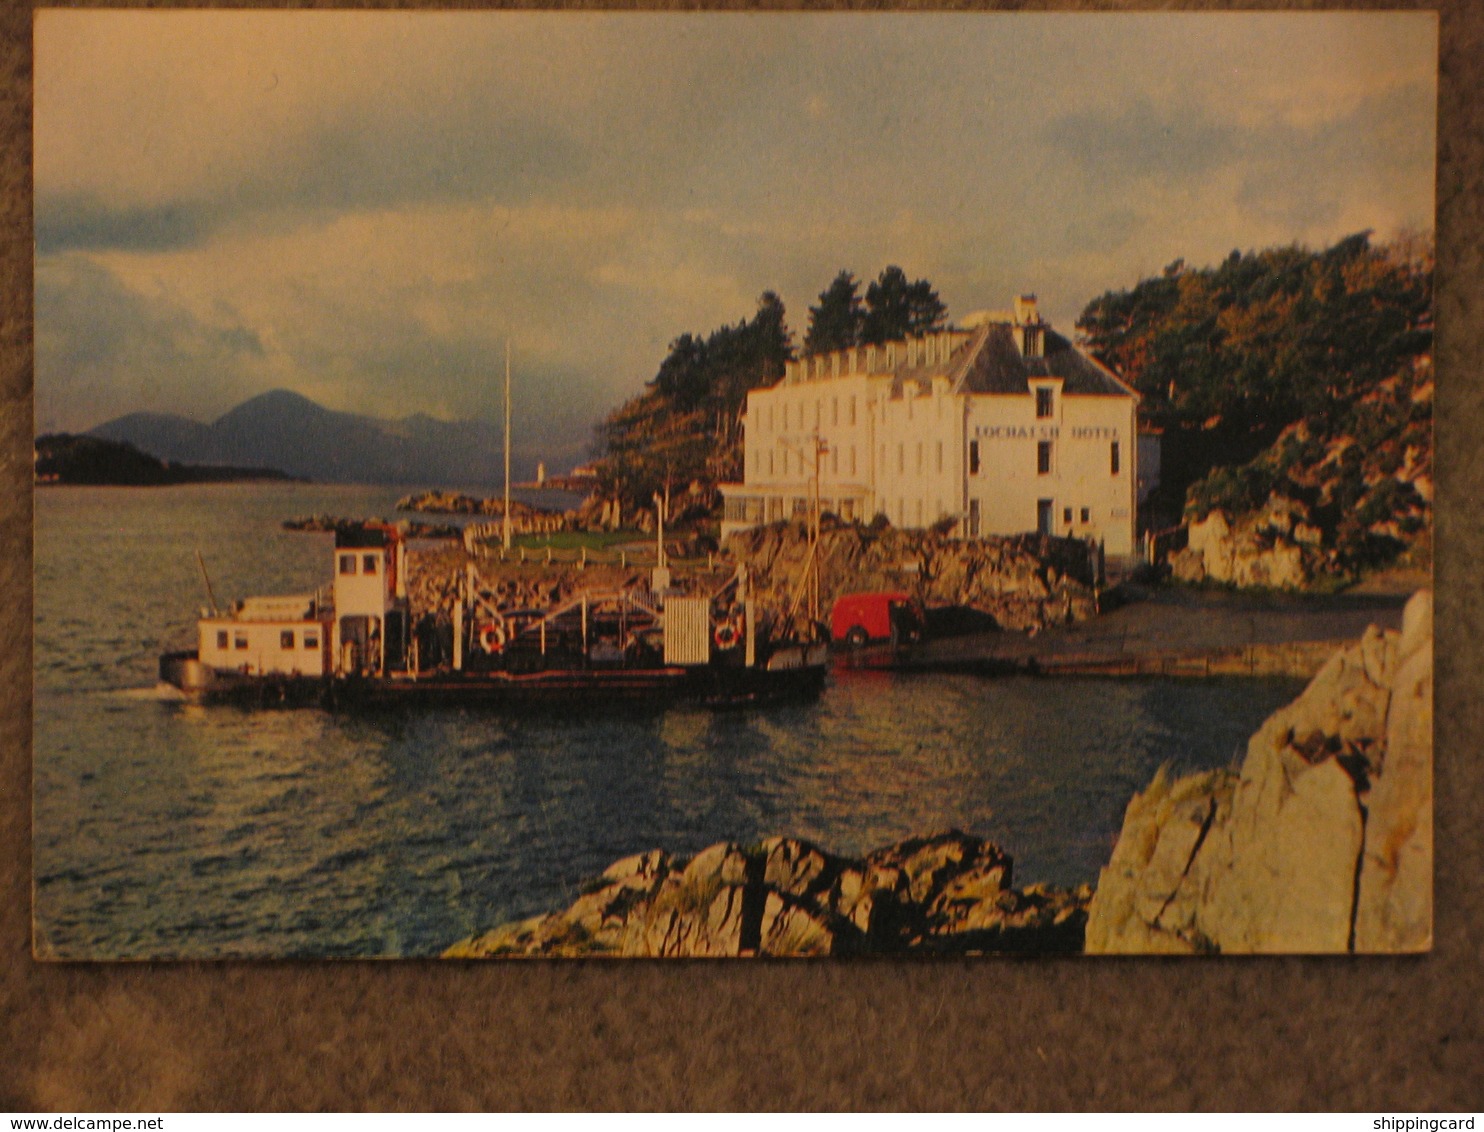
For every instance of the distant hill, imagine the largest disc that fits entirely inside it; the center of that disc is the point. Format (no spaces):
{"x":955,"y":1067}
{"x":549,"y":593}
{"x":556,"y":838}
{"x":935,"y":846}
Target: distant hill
{"x":285,"y":430}
{"x":62,"y":458}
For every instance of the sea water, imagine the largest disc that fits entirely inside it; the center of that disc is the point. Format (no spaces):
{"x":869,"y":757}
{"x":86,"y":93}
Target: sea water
{"x":164,"y":830}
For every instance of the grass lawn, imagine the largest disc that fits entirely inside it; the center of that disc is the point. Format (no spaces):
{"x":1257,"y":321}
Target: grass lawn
{"x":575,"y":540}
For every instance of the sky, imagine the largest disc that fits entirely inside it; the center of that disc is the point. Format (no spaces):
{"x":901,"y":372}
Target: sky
{"x":364,"y":207}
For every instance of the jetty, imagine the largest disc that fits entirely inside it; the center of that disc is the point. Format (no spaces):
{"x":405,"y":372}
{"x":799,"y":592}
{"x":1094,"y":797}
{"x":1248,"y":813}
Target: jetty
{"x":1170,"y":632}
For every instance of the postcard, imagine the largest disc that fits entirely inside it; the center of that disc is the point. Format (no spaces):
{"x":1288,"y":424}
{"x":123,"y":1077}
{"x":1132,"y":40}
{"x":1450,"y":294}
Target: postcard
{"x":679,"y":485}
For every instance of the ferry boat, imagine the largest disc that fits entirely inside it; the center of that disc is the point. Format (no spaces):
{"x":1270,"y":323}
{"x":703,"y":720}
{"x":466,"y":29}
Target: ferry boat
{"x":360,"y":642}
{"x":364,"y":644}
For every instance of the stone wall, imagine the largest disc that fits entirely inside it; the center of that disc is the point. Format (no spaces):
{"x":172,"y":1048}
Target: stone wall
{"x":1021,"y":582}
{"x":1322,"y":842}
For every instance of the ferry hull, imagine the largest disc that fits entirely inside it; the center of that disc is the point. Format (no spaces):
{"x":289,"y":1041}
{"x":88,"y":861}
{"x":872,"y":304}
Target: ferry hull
{"x":201,"y":683}
{"x":566,"y":689}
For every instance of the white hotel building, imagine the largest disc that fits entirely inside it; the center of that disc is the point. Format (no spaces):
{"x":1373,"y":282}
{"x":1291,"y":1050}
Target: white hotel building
{"x":1001,"y":425}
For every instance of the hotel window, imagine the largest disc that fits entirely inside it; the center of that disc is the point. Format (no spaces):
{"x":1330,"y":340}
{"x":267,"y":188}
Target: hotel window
{"x":368,"y":564}
{"x":940,"y":457}
{"x":221,"y":639}
{"x":1086,"y":515}
{"x":1043,"y":457}
{"x":1115,"y":461}
{"x":239,"y":641}
{"x":286,"y":639}
{"x":973,"y":457}
{"x":852,"y":459}
{"x":834,"y":410}
{"x":852,"y":408}
{"x":347,"y":563}
{"x":973,"y":518}
{"x":770,"y":462}
{"x":919,"y":456}
{"x":1043,"y":402}
{"x":1066,"y":515}
{"x":311,"y":640}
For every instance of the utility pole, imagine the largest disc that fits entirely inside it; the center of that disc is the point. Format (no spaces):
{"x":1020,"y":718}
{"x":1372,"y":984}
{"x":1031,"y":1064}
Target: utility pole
{"x":821,"y":446}
{"x":507,"y":445}
{"x":808,"y":586}
{"x":661,"y":507}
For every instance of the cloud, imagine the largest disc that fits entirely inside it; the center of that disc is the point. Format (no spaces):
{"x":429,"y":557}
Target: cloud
{"x":73,"y":221}
{"x":362,"y":163}
{"x":1143,"y":140}
{"x":114,"y":350}
{"x":365,"y":206}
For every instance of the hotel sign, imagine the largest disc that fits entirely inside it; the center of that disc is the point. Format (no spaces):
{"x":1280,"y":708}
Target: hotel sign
{"x":1043,"y":432}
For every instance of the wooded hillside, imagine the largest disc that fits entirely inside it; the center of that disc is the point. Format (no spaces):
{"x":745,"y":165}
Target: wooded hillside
{"x":1290,"y":374}
{"x":685,"y":428}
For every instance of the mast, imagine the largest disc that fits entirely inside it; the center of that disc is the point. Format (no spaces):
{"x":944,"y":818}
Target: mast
{"x":507,"y":446}
{"x":206,"y":578}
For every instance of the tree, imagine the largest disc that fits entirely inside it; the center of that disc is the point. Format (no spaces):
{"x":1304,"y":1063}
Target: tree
{"x":682,"y":375}
{"x":1271,"y":369}
{"x":896,"y":308}
{"x":684,"y":427}
{"x":836,"y":323}
{"x":716,"y":372}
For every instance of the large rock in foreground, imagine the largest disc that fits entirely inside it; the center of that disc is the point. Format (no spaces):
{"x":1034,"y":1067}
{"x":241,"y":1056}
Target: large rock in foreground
{"x":1321,"y":843}
{"x":947,"y":894}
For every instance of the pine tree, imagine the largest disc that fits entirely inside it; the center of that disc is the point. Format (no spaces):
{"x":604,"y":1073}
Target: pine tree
{"x":896,"y":308}
{"x":836,"y":323}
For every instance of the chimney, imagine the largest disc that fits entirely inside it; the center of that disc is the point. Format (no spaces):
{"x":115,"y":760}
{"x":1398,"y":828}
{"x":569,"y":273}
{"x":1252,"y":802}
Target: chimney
{"x":1028,"y":322}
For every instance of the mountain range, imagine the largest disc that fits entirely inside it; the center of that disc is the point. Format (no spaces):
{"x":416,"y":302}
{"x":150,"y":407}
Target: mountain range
{"x":291,"y":433}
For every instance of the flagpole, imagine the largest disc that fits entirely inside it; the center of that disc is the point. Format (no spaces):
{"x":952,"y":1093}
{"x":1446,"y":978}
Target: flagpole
{"x":507,"y":444}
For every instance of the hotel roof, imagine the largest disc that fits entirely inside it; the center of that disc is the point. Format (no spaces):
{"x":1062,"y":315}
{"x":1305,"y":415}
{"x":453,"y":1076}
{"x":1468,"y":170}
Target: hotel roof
{"x":993,"y":362}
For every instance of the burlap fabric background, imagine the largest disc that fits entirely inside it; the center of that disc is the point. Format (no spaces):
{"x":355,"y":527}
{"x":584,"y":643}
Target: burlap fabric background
{"x":1401,"y":1034}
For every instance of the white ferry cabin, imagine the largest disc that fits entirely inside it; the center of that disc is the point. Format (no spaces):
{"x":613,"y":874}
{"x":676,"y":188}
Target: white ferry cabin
{"x":261,"y":636}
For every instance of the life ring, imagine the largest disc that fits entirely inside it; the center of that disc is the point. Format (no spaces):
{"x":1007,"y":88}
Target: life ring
{"x":728,"y":633}
{"x":492,"y":636}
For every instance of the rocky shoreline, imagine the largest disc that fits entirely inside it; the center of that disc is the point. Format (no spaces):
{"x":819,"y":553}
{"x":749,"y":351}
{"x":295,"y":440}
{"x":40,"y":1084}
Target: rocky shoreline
{"x":946,"y":894}
{"x":1014,"y":582}
{"x":1022,"y":583}
{"x":524,"y":518}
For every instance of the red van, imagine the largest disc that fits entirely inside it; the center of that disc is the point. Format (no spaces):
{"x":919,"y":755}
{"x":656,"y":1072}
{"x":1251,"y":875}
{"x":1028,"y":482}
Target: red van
{"x":861,"y":618}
